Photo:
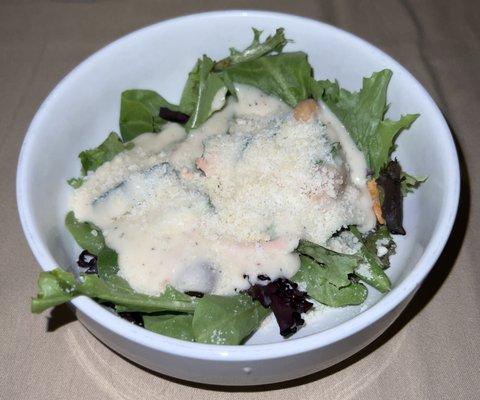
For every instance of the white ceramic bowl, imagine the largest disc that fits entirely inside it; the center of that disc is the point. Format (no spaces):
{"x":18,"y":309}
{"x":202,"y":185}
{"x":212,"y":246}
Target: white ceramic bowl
{"x":84,"y":107}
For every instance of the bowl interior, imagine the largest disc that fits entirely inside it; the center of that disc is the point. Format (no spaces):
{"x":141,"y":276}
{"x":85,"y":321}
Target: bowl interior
{"x":84,"y":108}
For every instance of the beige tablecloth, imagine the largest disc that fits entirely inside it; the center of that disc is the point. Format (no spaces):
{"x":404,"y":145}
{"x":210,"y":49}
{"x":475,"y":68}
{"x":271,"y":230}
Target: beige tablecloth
{"x":431,"y":352}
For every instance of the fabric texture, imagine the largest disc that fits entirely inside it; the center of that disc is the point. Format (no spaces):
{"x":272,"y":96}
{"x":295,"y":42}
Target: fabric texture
{"x":431,"y":352}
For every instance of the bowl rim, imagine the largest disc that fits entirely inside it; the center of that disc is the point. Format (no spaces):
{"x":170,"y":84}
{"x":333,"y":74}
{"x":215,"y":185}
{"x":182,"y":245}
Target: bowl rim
{"x":396,"y":296}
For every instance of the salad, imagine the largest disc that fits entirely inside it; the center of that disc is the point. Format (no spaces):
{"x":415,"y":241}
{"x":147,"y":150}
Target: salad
{"x":263,"y":191}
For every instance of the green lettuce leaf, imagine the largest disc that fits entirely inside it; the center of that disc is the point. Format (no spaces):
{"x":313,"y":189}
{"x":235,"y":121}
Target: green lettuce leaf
{"x":58,"y":286}
{"x":410,"y":182}
{"x":365,"y":264}
{"x":370,"y":269}
{"x":87,"y":235}
{"x":257,"y":49}
{"x":362,"y":114}
{"x":106,"y":151}
{"x":381,"y":233}
{"x":199,"y":92}
{"x":169,"y":294}
{"x":75,"y":182}
{"x":93,"y":158}
{"x":317,"y":281}
{"x":95,"y":287}
{"x":386,"y":134}
{"x":178,"y":326}
{"x":204,"y":82}
{"x":108,"y":283}
{"x":54,"y":288}
{"x":325,"y":90}
{"x":226,"y":319}
{"x":107,"y":266}
{"x":337,"y":266}
{"x":107,"y":263}
{"x":139,"y":111}
{"x":189,"y":98}
{"x":286,"y":75}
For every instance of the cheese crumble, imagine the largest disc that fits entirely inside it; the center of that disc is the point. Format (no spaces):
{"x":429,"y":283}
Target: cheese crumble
{"x":211,"y":211}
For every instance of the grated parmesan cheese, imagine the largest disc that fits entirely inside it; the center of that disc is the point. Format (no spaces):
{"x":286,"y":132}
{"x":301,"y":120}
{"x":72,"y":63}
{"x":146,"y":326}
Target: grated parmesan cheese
{"x":382,"y":248}
{"x":345,"y":243}
{"x":212,"y":210}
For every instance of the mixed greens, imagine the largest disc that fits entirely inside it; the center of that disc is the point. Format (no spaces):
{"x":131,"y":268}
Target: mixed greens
{"x":326,"y":277}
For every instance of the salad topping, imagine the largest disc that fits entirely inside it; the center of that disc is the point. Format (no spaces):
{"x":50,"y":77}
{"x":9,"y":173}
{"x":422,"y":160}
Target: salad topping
{"x":233,"y":198}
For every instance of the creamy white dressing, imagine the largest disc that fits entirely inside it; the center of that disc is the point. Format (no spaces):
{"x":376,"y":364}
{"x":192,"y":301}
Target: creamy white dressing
{"x":355,"y":160}
{"x":212,"y":210}
{"x":219,"y":100}
{"x":152,"y":143}
{"x":250,"y":101}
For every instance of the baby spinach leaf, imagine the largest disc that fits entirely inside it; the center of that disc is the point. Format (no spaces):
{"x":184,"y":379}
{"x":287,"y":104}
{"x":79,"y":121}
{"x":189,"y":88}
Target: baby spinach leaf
{"x":178,"y":326}
{"x":257,"y":49}
{"x":139,"y":112}
{"x":226,"y":319}
{"x":87,"y":235}
{"x":285,"y":75}
{"x":316,"y":279}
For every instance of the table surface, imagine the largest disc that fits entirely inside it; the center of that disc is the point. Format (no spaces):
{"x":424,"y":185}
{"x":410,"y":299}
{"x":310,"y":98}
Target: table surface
{"x":431,"y":352}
